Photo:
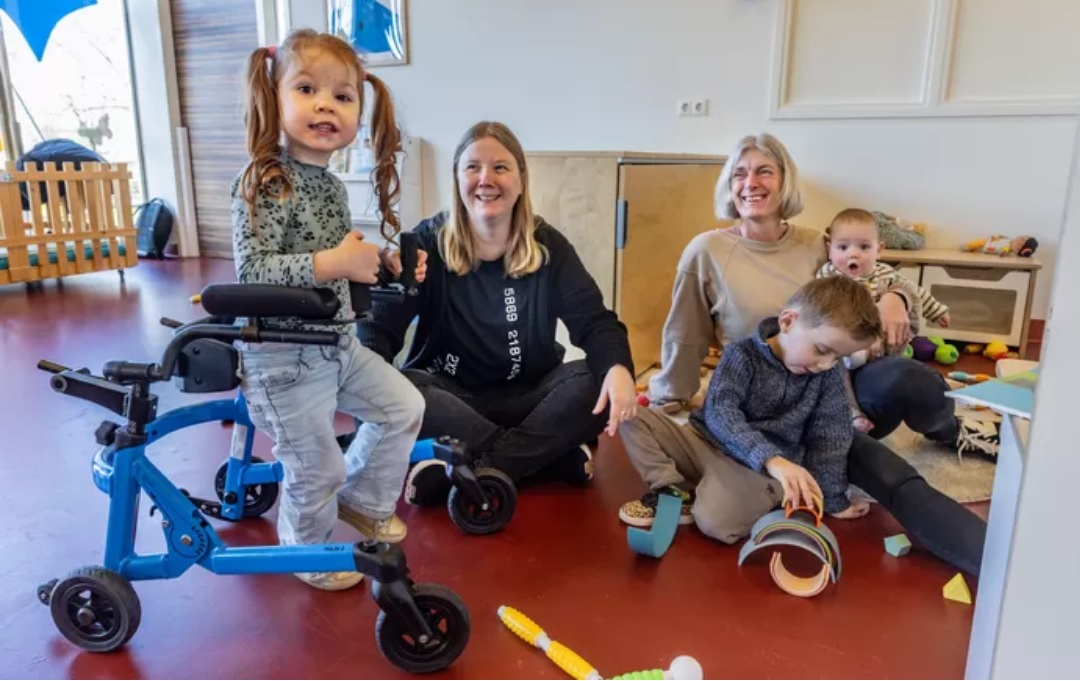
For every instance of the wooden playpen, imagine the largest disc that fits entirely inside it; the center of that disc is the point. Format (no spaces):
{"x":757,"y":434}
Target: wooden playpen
{"x":56,"y":222}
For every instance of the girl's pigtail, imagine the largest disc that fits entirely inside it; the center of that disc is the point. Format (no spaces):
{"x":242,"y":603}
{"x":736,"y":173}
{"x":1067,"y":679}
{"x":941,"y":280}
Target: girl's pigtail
{"x":385,"y":144}
{"x":263,"y":120}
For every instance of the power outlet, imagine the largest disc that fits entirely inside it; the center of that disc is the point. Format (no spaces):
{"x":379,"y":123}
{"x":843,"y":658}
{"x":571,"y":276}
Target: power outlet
{"x":693,"y":107}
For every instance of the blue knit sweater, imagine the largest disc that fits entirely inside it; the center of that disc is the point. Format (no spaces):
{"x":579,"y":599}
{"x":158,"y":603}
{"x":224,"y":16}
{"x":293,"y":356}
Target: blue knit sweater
{"x":756,"y":409}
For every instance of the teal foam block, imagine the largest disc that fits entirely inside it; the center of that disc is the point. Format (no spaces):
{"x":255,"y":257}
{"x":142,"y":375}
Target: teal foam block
{"x":655,"y":541}
{"x":897,"y":545}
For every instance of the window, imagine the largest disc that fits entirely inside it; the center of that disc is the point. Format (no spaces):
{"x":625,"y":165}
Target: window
{"x":81,"y":90}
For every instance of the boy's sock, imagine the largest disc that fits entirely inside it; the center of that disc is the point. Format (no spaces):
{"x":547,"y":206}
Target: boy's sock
{"x":641,"y":512}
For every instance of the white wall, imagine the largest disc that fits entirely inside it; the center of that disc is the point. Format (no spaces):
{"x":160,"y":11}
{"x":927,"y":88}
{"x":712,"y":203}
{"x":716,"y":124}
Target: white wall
{"x":606,"y":74}
{"x":1037,"y":631}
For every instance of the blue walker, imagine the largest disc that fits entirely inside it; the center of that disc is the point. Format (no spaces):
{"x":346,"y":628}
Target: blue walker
{"x":482,"y":500}
{"x":421,"y":628}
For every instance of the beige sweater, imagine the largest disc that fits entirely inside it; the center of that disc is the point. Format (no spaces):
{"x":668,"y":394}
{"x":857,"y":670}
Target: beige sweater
{"x":724,"y":286}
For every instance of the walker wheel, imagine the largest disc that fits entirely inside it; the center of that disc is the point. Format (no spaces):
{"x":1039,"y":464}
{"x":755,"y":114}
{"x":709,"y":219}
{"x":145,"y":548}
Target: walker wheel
{"x":96,"y":609}
{"x":445,"y":614}
{"x":258,"y":499}
{"x":502,"y":501}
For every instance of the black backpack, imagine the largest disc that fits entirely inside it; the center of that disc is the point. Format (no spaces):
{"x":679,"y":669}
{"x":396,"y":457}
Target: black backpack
{"x":154,"y":226}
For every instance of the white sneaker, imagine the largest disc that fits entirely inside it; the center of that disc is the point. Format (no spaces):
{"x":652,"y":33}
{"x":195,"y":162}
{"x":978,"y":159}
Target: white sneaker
{"x":331,"y":581}
{"x":981,"y":437}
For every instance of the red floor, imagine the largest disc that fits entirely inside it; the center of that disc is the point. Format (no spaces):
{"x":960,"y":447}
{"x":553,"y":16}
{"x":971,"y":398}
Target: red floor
{"x":563,"y":560}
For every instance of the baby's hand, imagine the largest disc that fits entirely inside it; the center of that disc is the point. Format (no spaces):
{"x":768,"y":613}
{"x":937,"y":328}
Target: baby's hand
{"x":862,"y":424}
{"x":944,"y":321}
{"x":857,"y":510}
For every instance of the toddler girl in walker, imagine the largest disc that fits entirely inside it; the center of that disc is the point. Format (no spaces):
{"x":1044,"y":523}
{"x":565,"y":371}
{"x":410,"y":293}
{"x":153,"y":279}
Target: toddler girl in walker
{"x":291,"y":227}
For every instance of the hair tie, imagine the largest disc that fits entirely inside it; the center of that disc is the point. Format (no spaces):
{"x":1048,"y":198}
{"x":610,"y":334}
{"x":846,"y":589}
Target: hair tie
{"x":272,"y":51}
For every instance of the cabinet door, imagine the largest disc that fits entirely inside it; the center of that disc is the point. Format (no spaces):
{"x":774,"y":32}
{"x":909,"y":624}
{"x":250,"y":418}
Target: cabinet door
{"x":984,"y":304}
{"x":576,"y":195}
{"x":666,"y":205}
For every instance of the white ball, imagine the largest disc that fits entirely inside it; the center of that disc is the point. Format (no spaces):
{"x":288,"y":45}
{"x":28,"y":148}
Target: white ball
{"x":685,"y":667}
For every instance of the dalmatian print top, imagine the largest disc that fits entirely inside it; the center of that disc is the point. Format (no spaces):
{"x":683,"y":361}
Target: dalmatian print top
{"x":277,"y":244}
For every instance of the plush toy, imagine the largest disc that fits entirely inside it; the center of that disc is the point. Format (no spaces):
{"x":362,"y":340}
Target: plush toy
{"x":923,"y":348}
{"x":900,"y":234}
{"x":946,"y":354}
{"x":943,"y":352}
{"x":996,"y":350}
{"x":974,"y":349}
{"x":1023,"y":246}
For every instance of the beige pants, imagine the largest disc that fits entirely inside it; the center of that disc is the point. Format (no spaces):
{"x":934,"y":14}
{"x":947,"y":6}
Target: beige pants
{"x":729,"y":497}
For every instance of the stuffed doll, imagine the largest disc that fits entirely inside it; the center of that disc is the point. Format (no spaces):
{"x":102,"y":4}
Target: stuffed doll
{"x":1023,"y":246}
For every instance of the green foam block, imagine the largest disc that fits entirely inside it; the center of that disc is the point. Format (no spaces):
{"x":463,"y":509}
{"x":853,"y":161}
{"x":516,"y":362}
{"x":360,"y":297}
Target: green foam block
{"x":897,"y":545}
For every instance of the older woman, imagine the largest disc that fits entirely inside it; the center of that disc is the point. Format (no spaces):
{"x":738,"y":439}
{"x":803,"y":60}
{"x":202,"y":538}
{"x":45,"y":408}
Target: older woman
{"x":730,"y":279}
{"x":484,"y":355}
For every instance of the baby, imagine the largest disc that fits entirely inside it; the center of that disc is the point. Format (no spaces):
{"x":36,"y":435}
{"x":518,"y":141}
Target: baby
{"x":854,"y":248}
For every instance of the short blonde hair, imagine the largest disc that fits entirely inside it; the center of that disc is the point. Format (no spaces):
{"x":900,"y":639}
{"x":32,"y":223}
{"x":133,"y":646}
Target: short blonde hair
{"x":852,"y":216}
{"x":524,"y":254}
{"x":791,"y":197}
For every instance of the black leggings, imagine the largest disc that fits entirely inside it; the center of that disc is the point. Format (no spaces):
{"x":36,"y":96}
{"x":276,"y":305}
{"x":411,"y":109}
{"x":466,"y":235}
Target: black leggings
{"x":892,"y":390}
{"x":941,"y":525}
{"x":519,"y":429}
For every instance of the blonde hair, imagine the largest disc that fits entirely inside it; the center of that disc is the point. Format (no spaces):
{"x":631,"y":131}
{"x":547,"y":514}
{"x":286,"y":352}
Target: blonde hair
{"x":841,"y":302}
{"x":457,"y":245}
{"x":850,"y":216}
{"x":262,"y":115}
{"x":791,"y":197}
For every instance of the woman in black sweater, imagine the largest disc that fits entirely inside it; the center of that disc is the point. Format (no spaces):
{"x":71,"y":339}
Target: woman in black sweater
{"x":484,"y":354}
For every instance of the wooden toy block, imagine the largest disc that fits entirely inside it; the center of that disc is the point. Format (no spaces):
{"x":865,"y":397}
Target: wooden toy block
{"x":956,"y":589}
{"x":817,"y":510}
{"x":897,"y":545}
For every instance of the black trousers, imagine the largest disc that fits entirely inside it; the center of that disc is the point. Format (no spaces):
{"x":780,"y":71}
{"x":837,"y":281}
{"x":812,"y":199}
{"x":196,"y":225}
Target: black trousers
{"x":518,"y":429}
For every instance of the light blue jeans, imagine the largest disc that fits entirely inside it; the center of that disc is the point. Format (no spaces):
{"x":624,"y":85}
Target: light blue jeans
{"x":292,"y":393}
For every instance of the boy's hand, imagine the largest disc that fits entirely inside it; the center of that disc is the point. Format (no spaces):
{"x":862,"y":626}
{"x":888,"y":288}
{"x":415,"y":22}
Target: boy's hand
{"x":392,"y":262}
{"x":799,"y":486}
{"x":857,"y":510}
{"x":944,"y":321}
{"x":876,"y":351}
{"x":862,"y":424}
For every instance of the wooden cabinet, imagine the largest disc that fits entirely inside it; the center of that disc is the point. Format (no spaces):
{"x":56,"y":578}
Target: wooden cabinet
{"x":989,"y":296}
{"x":629,"y":216}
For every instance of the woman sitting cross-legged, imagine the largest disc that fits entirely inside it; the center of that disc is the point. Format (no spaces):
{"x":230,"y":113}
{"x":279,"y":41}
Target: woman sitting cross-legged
{"x":484,"y":355}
